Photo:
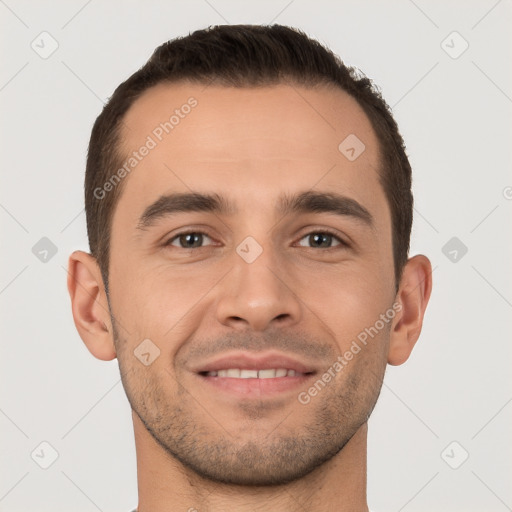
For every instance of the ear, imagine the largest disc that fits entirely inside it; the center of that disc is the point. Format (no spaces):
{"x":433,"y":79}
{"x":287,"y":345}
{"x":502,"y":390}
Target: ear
{"x":90,"y":306}
{"x":413,"y":295}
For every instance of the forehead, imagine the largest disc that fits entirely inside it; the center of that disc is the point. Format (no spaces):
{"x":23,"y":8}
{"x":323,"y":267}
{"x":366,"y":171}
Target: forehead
{"x":250,"y":143}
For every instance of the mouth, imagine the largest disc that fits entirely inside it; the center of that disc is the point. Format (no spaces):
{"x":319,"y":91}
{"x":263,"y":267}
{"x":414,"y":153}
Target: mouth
{"x":249,"y":376}
{"x":266,"y":373}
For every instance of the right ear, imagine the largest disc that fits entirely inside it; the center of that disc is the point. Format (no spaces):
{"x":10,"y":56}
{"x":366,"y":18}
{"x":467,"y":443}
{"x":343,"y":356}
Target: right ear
{"x":90,"y":306}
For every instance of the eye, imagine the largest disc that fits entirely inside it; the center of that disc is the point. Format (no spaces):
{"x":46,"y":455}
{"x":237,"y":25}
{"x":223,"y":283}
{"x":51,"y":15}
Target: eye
{"x":323,"y":240}
{"x":317,"y":239}
{"x":188,"y":240}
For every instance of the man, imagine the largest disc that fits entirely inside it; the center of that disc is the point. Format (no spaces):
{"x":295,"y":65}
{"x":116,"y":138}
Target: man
{"x":249,"y":209}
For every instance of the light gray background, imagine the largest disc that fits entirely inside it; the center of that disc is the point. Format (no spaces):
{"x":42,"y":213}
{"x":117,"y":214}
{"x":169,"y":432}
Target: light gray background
{"x":454,"y":114}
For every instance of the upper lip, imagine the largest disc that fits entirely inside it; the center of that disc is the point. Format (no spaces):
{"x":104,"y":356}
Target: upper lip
{"x":252,"y":361}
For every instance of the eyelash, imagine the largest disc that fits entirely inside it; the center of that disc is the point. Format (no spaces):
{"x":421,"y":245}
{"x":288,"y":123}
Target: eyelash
{"x":342,"y":243}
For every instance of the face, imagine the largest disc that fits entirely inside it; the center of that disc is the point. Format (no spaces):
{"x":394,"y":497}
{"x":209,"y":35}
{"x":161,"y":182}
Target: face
{"x":263,"y":285}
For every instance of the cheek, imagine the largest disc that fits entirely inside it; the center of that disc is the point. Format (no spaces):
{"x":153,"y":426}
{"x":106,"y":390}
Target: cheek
{"x":348,"y":302}
{"x":162,"y":302}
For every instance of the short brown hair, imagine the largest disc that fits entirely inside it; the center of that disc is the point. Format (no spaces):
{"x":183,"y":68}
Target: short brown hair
{"x":244,"y":56}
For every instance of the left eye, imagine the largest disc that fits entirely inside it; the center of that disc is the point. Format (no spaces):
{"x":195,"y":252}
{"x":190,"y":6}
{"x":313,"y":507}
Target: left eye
{"x":195,"y":239}
{"x":322,"y":239}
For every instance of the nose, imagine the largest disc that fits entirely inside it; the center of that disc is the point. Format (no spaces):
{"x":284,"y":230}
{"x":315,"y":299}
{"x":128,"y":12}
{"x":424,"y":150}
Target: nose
{"x":258,"y":295}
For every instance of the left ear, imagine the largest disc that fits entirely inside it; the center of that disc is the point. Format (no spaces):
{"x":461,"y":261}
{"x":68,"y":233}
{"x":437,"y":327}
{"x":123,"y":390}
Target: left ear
{"x":413,"y":295}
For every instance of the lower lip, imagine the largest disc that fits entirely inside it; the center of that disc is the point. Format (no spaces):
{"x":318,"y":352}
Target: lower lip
{"x":249,"y":388}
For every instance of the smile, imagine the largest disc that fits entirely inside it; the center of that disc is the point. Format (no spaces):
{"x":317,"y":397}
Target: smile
{"x":268,"y":373}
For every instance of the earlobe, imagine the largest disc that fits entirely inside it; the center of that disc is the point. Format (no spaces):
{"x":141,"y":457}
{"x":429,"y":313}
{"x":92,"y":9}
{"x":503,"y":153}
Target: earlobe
{"x":90,"y":306}
{"x":413,"y":296}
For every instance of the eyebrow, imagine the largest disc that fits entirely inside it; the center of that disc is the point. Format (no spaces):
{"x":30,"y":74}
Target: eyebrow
{"x":305,"y":202}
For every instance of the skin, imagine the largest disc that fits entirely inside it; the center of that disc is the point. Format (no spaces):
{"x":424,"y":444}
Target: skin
{"x":202,"y":450}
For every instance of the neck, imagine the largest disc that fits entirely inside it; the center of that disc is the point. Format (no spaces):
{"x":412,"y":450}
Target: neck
{"x":339,"y":484}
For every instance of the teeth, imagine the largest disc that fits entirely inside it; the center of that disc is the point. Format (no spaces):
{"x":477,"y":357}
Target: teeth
{"x":248,"y":374}
{"x":267,"y":374}
{"x":270,"y":373}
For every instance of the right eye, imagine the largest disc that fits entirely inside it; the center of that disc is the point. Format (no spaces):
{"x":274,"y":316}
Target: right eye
{"x":187,"y":240}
